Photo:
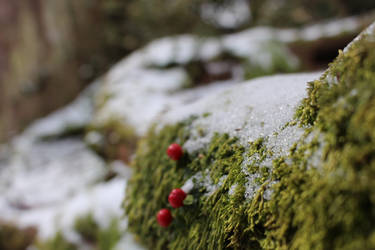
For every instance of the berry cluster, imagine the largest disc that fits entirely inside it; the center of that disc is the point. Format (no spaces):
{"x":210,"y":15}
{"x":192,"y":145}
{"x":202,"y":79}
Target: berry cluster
{"x":177,"y":196}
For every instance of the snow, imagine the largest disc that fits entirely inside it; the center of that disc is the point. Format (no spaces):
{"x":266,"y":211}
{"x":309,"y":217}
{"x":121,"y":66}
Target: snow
{"x":231,"y":15}
{"x":67,"y":162}
{"x":128,"y":242}
{"x":333,"y":79}
{"x":38,"y":182}
{"x":48,"y":181}
{"x":52,"y":184}
{"x":141,"y":90}
{"x":251,"y":110}
{"x":142,"y":93}
{"x":369,"y":30}
{"x":74,"y":116}
{"x":204,"y":181}
{"x":138,"y":101}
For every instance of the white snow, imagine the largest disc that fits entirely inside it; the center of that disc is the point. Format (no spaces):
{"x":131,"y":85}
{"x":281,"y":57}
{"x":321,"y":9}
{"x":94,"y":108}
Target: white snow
{"x":75,"y":115}
{"x":248,"y":111}
{"x":230,"y":15}
{"x":38,"y":183}
{"x":51,"y":170}
{"x":140,"y":93}
{"x":253,"y":109}
{"x":369,"y":30}
{"x":333,"y":79}
{"x":52,"y":184}
{"x":49,"y":183}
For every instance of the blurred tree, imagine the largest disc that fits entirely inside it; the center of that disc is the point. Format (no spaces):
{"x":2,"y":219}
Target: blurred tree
{"x":50,"y":49}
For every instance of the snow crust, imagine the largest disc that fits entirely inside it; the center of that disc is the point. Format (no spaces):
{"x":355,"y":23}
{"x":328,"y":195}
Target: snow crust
{"x":251,"y":110}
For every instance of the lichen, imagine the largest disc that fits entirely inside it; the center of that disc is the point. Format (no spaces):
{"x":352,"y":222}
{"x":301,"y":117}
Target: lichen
{"x":327,"y":204}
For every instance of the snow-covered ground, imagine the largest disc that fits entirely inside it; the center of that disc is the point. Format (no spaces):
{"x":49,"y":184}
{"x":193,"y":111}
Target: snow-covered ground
{"x":48,"y":182}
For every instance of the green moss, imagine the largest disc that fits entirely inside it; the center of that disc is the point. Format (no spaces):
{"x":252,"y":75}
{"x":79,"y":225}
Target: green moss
{"x":323,"y":194}
{"x":331,"y":207}
{"x":119,"y":140}
{"x":109,"y":237}
{"x":214,"y":217}
{"x":103,"y":239}
{"x":281,"y":61}
{"x":56,"y":243}
{"x":90,"y":232}
{"x":87,"y":227}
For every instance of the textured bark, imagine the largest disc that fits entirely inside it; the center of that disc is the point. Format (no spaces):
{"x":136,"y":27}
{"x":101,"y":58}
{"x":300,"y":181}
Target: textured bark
{"x":47,"y":54}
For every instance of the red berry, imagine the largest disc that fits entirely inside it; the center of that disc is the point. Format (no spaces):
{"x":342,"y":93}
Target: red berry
{"x":174,"y":151}
{"x":164,"y":217}
{"x":177,"y":197}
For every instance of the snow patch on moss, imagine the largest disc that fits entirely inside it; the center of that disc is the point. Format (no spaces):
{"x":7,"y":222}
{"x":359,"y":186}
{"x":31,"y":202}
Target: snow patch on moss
{"x":258,"y":108}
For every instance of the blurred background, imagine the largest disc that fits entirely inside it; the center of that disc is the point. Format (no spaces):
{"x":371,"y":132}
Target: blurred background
{"x":51,"y":49}
{"x":62,"y":178}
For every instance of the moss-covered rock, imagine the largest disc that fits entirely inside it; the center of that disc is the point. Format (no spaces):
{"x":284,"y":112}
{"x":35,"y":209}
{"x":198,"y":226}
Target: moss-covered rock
{"x":305,"y":183}
{"x":175,"y":71}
